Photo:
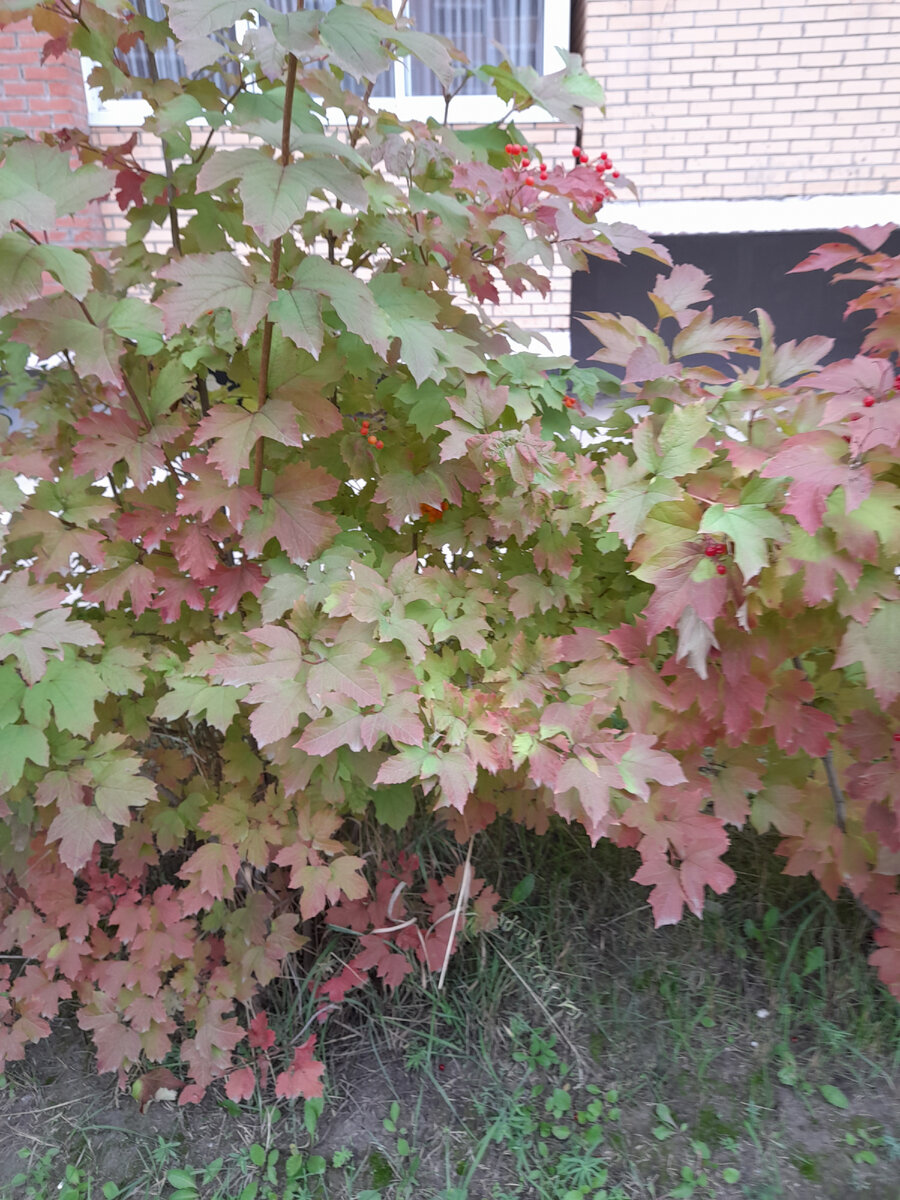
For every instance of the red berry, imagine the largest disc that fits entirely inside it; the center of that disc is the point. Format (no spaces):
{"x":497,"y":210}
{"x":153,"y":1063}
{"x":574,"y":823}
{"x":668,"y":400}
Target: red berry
{"x":526,"y":162}
{"x":897,"y":381}
{"x":582,"y":158}
{"x":570,"y":402}
{"x":897,"y":737}
{"x":441,"y":1066}
{"x":710,"y":551}
{"x":576,"y":151}
{"x":379,"y":445}
{"x":603,"y":154}
{"x":721,"y":548}
{"x":372,"y":439}
{"x":721,"y":569}
{"x":868,"y":402}
{"x":529,"y":182}
{"x":510,"y":148}
{"x":615,"y":174}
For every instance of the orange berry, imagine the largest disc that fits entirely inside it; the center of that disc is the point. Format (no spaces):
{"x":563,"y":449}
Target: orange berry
{"x":529,"y":182}
{"x":372,"y":439}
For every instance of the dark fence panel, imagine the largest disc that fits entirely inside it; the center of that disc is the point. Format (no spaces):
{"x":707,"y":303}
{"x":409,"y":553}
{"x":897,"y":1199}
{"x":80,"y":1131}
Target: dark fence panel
{"x":748,"y":270}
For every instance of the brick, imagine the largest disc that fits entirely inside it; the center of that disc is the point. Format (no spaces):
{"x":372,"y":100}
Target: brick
{"x":776,"y":90}
{"x":19,"y":88}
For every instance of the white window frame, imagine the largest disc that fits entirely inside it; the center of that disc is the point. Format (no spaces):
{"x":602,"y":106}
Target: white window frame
{"x":464,"y":110}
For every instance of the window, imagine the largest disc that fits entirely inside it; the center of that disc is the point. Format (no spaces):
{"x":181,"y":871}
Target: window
{"x":487,"y":31}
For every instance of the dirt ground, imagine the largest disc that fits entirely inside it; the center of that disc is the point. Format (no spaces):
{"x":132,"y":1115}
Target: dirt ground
{"x":794,"y":1148}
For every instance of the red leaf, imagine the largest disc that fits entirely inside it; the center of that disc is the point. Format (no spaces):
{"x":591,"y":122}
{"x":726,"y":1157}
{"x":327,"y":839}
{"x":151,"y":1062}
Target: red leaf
{"x":259,"y":1035}
{"x":813,"y":462}
{"x":289,"y":515}
{"x":241,"y":1084}
{"x":304,"y":1076}
{"x":128,"y":187}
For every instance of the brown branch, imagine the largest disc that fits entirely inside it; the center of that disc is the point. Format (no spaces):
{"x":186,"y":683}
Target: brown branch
{"x":274,"y":268}
{"x":33,"y":236}
{"x":840,"y":803}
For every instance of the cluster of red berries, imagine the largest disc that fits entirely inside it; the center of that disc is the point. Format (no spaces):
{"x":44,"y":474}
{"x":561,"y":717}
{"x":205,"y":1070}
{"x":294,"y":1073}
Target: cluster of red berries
{"x":716,"y":550}
{"x":514,"y":150}
{"x":570,"y":402}
{"x":601,"y":167}
{"x":373,"y":441}
{"x":604,"y":165}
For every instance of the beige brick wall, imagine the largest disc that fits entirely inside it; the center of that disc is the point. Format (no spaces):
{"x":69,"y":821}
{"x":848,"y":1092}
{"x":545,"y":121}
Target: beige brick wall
{"x":727,"y":99}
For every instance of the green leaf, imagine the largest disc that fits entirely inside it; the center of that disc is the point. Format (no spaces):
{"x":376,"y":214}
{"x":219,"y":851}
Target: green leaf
{"x":198,"y":698}
{"x":394,"y":804}
{"x":12,"y":692}
{"x":731,"y":1175}
{"x":351,"y":299}
{"x":834,"y":1095}
{"x":354,"y":37}
{"x":71,"y":687}
{"x":676,"y":452}
{"x":19,"y":743}
{"x":138,"y":322}
{"x":298,"y":314}
{"x":877,"y":647}
{"x":119,"y":786}
{"x":22,"y":264}
{"x":274,"y":195}
{"x":749,"y":526}
{"x":564,"y":94}
{"x":37,"y":185}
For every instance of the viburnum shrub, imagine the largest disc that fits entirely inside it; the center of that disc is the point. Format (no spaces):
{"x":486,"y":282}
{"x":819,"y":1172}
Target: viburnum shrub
{"x":301,"y":542}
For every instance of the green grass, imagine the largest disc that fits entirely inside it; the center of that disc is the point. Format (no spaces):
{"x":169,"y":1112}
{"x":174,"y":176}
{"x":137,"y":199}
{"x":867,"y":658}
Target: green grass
{"x":573,"y":1053}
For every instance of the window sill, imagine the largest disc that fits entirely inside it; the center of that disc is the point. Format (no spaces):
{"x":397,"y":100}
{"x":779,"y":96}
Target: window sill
{"x":464,"y":110}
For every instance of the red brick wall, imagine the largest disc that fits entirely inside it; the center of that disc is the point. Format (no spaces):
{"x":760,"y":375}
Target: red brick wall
{"x":37,"y":96}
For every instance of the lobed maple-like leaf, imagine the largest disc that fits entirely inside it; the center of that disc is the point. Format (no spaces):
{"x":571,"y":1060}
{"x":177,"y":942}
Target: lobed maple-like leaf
{"x":304,"y":1075}
{"x":813,"y":461}
{"x":877,"y":646}
{"x":237,"y":431}
{"x":205,"y":282}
